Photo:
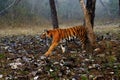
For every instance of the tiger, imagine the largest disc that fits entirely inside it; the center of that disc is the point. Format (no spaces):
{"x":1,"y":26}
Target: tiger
{"x":60,"y":34}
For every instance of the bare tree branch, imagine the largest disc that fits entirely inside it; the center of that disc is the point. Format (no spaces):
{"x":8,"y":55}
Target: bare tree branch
{"x":9,"y":6}
{"x":106,"y":9}
{"x":17,"y":2}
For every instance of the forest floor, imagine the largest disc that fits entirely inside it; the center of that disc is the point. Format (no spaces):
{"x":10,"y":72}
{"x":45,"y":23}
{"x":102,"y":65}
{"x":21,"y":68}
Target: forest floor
{"x":21,"y":57}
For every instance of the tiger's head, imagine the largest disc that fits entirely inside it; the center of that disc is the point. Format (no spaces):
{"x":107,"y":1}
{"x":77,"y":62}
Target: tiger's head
{"x":46,"y":33}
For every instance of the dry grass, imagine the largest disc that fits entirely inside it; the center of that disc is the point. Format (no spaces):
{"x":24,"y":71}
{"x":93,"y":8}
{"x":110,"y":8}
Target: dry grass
{"x":32,"y":30}
{"x":29,"y":29}
{"x":107,"y":28}
{"x":19,"y":31}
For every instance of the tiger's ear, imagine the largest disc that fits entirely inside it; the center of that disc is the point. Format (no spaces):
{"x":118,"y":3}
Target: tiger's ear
{"x":47,"y":31}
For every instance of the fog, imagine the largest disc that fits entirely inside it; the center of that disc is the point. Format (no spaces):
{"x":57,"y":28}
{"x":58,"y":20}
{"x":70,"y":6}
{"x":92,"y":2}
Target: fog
{"x":71,"y":8}
{"x":67,"y":10}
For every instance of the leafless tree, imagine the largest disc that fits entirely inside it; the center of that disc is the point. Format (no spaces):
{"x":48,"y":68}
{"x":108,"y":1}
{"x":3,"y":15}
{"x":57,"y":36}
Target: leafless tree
{"x":53,"y":14}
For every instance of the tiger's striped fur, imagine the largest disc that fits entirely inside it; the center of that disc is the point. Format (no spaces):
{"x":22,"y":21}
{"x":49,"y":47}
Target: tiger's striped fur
{"x":59,"y":34}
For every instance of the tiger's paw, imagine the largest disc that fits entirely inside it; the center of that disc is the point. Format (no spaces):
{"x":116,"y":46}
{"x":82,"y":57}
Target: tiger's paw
{"x":47,"y":54}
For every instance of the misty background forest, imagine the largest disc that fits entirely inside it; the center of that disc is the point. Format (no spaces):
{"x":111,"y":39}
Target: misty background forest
{"x":22,"y":49}
{"x":37,"y":12}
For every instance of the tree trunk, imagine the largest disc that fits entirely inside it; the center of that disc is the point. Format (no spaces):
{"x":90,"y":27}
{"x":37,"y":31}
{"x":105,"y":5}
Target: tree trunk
{"x":88,"y":24}
{"x":53,"y":14}
{"x":90,"y":5}
{"x":119,"y":7}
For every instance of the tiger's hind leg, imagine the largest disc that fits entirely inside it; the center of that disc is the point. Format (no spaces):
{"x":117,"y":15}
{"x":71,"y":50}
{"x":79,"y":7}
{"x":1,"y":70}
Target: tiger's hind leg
{"x":53,"y":45}
{"x":83,"y":42}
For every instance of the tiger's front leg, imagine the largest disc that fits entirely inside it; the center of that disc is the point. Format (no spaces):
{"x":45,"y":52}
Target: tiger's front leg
{"x":53,"y":45}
